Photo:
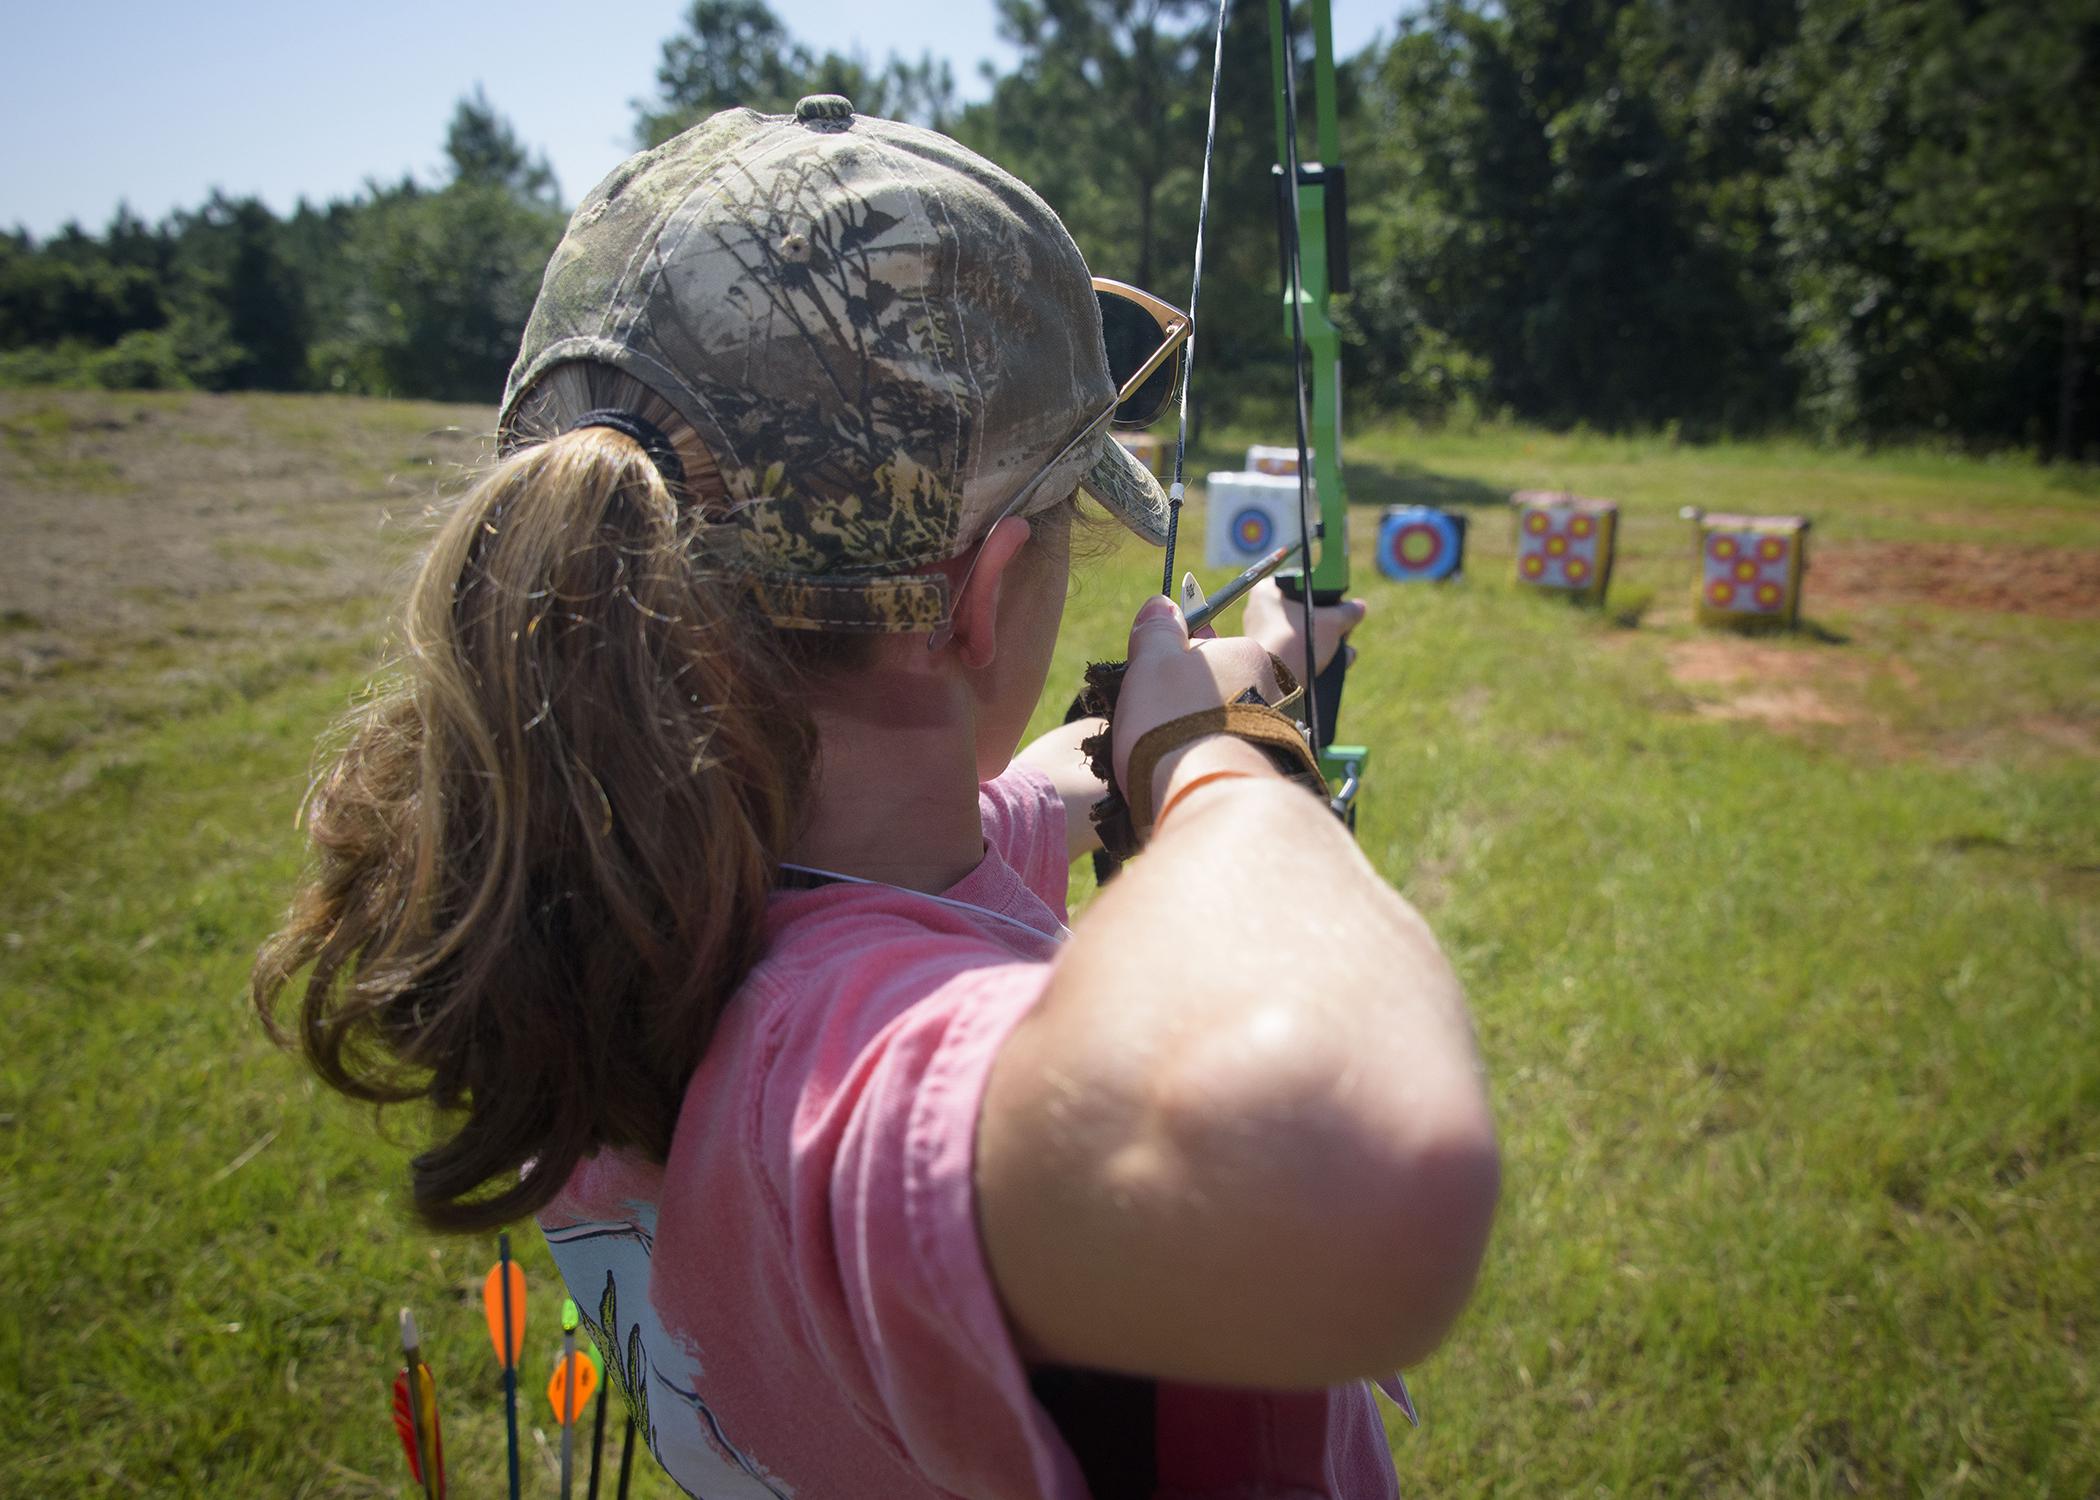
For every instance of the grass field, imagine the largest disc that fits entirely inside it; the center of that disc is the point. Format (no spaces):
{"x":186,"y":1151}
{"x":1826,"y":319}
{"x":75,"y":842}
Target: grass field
{"x":1785,"y":956}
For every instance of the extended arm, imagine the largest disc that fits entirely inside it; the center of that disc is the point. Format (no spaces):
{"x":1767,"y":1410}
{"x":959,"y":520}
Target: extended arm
{"x":1244,"y":1138}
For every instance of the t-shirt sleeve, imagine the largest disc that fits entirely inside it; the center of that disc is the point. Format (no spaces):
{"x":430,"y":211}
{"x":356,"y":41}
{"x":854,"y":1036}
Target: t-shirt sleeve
{"x":883,"y":1235}
{"x":1024,"y":819}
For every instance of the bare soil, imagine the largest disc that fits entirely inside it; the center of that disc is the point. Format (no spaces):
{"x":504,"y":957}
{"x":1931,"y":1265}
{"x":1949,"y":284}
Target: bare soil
{"x":2058,"y":582}
{"x":1786,"y":687}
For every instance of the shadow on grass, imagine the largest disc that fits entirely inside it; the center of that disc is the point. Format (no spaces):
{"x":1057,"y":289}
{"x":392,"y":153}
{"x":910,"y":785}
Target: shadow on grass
{"x":1410,"y":484}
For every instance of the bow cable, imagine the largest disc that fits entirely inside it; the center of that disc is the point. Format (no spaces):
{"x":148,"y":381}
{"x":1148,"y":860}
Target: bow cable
{"x":1294,"y":290}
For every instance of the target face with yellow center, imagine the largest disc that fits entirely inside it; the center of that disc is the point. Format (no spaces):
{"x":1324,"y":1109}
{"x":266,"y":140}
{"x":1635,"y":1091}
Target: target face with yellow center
{"x":1420,"y":544}
{"x":1565,"y":544}
{"x":1747,"y":573}
{"x":1246,"y":516}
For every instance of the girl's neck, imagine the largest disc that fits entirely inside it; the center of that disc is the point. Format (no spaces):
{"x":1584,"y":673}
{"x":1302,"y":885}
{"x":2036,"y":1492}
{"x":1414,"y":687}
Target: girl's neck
{"x":895,"y":793}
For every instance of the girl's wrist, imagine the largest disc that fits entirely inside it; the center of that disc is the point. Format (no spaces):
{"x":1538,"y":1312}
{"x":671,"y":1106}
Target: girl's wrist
{"x":1207,"y":757}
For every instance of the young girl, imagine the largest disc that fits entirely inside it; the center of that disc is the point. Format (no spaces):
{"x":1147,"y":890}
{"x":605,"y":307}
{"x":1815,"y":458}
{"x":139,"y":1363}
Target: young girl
{"x":688,"y":869}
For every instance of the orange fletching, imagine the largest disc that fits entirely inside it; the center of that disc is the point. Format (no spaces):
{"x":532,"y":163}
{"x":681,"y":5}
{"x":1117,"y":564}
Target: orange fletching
{"x":570,"y":1388}
{"x":492,"y":1304}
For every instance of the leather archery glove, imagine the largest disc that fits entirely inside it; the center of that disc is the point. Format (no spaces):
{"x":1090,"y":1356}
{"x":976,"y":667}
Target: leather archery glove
{"x":1171,"y":692}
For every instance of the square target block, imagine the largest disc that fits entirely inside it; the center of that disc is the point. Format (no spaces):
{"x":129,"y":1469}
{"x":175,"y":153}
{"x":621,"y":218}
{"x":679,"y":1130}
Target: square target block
{"x":1148,"y":449}
{"x":1420,"y":544}
{"x":1248,"y":516}
{"x":1262,"y":458}
{"x":1750,"y":571}
{"x":1565,"y":543}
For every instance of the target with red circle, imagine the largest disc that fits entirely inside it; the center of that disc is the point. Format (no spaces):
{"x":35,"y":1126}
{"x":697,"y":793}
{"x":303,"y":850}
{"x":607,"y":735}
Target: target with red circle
{"x":1247,"y":516}
{"x":1750,"y":569}
{"x":1564,"y":542}
{"x":1420,"y":544}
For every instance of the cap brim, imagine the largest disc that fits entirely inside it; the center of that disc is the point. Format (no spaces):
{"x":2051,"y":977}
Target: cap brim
{"x":1127,"y":489}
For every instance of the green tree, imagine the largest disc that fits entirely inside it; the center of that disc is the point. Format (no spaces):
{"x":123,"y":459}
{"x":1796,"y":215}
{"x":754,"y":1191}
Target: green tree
{"x":240,"y":318}
{"x":444,"y":283}
{"x":1559,"y":220}
{"x":1104,"y":110}
{"x":2001,"y":184}
{"x":483,"y":148}
{"x":737,"y":52}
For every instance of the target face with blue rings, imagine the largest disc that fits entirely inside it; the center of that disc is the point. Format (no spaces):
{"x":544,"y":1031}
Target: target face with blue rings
{"x":1251,"y":530}
{"x":1420,"y":544}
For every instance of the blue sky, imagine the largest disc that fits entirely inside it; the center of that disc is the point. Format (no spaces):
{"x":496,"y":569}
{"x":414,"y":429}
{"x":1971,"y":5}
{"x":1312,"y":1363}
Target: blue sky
{"x":156,"y":104}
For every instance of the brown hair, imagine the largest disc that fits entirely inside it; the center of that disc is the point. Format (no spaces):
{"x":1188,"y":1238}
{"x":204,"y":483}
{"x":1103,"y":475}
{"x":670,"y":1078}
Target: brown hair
{"x":541,"y":854}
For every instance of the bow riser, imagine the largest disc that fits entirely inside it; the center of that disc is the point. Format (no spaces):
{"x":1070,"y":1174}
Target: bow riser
{"x":1312,"y":209}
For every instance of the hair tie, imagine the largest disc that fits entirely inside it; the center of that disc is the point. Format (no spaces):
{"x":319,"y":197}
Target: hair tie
{"x":646,"y":433}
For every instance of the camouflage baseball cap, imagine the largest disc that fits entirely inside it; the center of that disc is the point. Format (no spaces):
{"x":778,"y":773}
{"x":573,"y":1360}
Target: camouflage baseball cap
{"x":886,"y":342}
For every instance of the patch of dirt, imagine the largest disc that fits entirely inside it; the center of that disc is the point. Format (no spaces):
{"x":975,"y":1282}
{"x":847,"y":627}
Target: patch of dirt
{"x":1783,"y":708}
{"x":2061,"y":583}
{"x":1786,"y":687}
{"x":2079,"y":737}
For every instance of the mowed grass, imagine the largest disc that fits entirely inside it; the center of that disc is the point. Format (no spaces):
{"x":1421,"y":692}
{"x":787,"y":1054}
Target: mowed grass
{"x":1784,"y":956}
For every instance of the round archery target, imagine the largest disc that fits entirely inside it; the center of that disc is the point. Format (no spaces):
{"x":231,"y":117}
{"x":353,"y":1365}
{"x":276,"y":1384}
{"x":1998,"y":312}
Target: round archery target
{"x":1581,"y":526}
{"x":1722,"y":592}
{"x":1536,"y":523}
{"x":1247,"y":516}
{"x":1722,"y":547}
{"x":1534,"y":566}
{"x":1769,"y":594}
{"x":1771,"y":549}
{"x":1419,"y":544}
{"x":1577,"y":570}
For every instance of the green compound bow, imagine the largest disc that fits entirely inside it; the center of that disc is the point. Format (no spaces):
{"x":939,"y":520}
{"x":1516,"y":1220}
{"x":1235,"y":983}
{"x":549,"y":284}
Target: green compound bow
{"x":1312,"y":205}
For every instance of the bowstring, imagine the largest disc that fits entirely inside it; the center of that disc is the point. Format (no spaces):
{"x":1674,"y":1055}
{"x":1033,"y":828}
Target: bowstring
{"x":1188,"y":358}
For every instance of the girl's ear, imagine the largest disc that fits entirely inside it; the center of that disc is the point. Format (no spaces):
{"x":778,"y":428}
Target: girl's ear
{"x":976,"y":637}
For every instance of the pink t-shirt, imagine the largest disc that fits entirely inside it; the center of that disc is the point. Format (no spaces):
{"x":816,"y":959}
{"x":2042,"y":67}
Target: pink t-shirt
{"x":798,"y":1299}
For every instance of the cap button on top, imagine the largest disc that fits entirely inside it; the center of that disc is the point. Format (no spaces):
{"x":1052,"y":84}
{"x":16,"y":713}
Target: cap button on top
{"x":812,"y":109}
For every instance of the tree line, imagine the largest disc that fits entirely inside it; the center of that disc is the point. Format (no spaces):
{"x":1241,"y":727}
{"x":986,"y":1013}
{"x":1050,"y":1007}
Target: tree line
{"x":1864,"y":219}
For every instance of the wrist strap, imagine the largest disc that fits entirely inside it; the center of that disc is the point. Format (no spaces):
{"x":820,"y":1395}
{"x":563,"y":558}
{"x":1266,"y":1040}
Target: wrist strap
{"x":1258,"y":725}
{"x":1226,"y":774}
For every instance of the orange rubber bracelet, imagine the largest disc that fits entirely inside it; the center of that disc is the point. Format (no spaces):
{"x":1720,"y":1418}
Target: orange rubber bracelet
{"x":1205,"y":779}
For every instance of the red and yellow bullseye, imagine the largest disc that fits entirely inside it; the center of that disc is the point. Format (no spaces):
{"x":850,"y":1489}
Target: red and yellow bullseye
{"x":1751,"y":570}
{"x":1564,"y":543}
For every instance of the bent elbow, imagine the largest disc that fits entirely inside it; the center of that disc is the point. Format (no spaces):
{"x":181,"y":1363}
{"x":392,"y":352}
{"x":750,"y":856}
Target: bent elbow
{"x":1431,"y":1235}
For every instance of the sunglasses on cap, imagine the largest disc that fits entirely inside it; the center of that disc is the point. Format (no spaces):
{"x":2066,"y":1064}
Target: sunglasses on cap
{"x":1145,"y":337}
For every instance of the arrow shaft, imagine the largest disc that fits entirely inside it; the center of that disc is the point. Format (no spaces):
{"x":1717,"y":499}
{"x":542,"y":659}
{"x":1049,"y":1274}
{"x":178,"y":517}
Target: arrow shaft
{"x":510,"y":1364}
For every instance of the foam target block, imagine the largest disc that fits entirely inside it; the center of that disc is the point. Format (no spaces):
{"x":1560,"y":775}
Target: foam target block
{"x":1750,"y":571}
{"x":1262,"y":458}
{"x":1148,"y":449}
{"x":1565,"y":543}
{"x":1247,"y":516}
{"x":1420,"y":544}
